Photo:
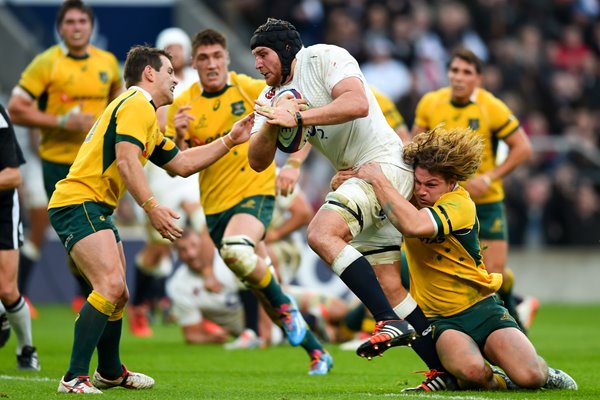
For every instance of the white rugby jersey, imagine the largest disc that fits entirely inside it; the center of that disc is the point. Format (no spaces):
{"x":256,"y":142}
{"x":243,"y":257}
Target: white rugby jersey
{"x":318,"y":69}
{"x":190,"y":299}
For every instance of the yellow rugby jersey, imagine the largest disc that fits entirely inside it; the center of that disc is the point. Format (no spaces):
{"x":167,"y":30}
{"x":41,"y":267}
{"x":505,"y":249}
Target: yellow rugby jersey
{"x":447,"y":274}
{"x":484,"y":114}
{"x":390,"y":111}
{"x":229,"y":180}
{"x":60,"y":83}
{"x":94,"y":175}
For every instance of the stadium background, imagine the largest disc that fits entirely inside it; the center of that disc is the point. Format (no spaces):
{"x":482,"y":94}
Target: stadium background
{"x":543,"y":60}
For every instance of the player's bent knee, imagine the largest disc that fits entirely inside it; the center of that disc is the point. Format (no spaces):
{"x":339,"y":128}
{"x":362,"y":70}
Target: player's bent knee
{"x":239,"y":255}
{"x":348,"y":209}
{"x":529,"y":378}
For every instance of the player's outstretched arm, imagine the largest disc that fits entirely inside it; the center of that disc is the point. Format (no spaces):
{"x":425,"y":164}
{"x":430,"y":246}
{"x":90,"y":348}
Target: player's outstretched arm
{"x":162,"y":218}
{"x":190,"y":161}
{"x":410,"y":221}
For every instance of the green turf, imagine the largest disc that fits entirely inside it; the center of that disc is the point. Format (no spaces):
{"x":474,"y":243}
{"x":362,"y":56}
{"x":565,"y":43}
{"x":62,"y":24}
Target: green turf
{"x":567,"y":336}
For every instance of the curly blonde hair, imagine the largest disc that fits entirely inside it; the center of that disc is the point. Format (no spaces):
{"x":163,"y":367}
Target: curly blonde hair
{"x":454,"y":154}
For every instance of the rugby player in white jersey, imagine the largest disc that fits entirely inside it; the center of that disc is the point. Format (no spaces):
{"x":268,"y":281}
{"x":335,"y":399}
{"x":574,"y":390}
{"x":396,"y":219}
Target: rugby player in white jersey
{"x":205,"y":315}
{"x":350,"y":232}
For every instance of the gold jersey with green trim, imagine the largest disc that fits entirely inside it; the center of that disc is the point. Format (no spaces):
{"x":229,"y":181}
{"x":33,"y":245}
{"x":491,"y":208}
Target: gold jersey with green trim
{"x":94,"y":175}
{"x":62,"y":83}
{"x":447,"y":273}
{"x":484,"y":113}
{"x":230,"y":179}
{"x":390,"y":111}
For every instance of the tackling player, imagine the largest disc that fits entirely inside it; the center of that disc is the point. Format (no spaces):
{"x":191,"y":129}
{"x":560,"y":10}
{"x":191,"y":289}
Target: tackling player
{"x":466,"y":105}
{"x":448,"y":276}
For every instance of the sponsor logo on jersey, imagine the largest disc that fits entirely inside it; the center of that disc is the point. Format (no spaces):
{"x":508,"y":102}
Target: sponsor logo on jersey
{"x":270,"y":94}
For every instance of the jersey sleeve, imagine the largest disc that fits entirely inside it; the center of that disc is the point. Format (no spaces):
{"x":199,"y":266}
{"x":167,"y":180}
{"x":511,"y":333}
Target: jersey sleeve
{"x":164,"y":151}
{"x":453,"y":213}
{"x":339,"y":65}
{"x":132,"y":121}
{"x":36,"y":77}
{"x":502,"y":121}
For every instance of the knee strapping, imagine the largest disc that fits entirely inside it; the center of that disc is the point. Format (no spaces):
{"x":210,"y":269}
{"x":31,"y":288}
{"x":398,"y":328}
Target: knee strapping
{"x":348,"y":209}
{"x":117,"y":314}
{"x":238,"y":253}
{"x":101,"y":303}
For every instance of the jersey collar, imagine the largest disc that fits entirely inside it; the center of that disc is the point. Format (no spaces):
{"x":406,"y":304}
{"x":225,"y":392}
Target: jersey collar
{"x":145,"y":93}
{"x":470,"y":101}
{"x":217,"y":93}
{"x":65,"y":50}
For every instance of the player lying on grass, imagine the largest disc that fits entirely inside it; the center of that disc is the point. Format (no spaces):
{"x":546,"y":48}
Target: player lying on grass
{"x":204,"y":298}
{"x":440,"y":227}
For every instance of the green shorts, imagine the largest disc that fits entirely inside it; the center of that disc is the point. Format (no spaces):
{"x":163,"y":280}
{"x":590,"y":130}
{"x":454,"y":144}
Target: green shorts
{"x":53,"y":172}
{"x":404,"y":271}
{"x":260,"y":206}
{"x":492,"y":221}
{"x":73,"y":223}
{"x":477,"y":321}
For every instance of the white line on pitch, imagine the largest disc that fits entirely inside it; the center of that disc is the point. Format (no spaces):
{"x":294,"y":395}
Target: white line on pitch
{"x":25,"y":378}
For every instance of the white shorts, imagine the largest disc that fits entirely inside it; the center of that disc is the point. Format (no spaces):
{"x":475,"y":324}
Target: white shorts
{"x":373,"y":233}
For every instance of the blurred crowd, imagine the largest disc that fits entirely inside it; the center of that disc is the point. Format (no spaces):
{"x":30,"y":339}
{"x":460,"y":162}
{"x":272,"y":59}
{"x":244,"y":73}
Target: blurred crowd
{"x":542,"y":59}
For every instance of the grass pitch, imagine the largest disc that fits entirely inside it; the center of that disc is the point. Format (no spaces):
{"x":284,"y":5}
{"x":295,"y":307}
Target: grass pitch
{"x":566,"y":336}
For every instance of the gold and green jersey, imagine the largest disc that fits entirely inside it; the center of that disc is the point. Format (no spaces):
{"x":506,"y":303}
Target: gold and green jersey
{"x":230,"y":179}
{"x":447,"y":273}
{"x":94,"y":175}
{"x":390,"y":111}
{"x":62,"y":83}
{"x":485,"y":114}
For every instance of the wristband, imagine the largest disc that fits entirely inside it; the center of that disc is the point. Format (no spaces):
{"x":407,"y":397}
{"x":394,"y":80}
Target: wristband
{"x":487,"y":179}
{"x":224,"y":143}
{"x":292,"y":163}
{"x":150,"y":204}
{"x":61,"y":120}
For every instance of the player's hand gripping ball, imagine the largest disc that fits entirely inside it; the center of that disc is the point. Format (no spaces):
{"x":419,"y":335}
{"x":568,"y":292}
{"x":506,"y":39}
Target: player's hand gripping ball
{"x":290,"y":140}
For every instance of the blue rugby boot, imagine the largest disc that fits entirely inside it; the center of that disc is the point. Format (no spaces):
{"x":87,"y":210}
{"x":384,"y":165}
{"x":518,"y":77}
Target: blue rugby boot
{"x":293,"y":323}
{"x":320,"y":362}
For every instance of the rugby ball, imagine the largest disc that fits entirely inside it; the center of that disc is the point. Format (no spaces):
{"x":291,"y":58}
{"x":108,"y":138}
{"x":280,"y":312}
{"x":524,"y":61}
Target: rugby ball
{"x":290,"y":140}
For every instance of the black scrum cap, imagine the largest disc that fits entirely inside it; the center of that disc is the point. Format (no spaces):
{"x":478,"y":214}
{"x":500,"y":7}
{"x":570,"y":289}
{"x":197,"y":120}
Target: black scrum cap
{"x":283,"y":38}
